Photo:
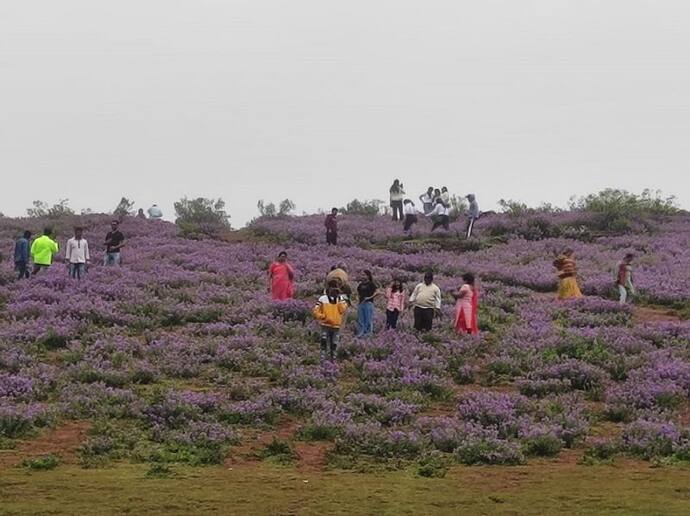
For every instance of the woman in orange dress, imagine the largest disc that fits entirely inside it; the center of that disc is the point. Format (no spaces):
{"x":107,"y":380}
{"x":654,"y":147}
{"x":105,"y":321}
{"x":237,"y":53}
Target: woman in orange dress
{"x":281,"y":278}
{"x":466,"y":306}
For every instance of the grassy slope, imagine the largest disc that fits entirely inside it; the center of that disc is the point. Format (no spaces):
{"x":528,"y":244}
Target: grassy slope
{"x":629,"y":488}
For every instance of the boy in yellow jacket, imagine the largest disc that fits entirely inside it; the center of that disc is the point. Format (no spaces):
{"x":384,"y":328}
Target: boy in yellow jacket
{"x":329,"y":311}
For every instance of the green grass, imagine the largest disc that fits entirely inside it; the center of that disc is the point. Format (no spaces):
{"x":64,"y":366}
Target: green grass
{"x":541,"y":488}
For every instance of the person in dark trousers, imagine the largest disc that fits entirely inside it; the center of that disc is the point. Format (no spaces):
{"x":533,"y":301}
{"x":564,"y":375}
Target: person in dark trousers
{"x":21,"y":255}
{"x":366,"y":293}
{"x":331,"y":224}
{"x":410,"y":215}
{"x":396,"y":194}
{"x":114,"y":242}
{"x":426,"y":301}
{"x":395,"y":303}
{"x":440,"y":216}
{"x":472,"y":214}
{"x":43,"y":249}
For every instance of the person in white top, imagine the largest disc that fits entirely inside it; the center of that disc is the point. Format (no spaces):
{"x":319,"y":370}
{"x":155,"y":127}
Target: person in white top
{"x":445,"y":196}
{"x":427,"y":200}
{"x":155,"y":213}
{"x":396,"y":194}
{"x":77,"y":254}
{"x":410,"y":213}
{"x":426,"y":300}
{"x":440,"y":215}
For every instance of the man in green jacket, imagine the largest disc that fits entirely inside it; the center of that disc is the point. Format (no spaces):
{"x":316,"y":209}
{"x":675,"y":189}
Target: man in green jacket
{"x":43,"y":249}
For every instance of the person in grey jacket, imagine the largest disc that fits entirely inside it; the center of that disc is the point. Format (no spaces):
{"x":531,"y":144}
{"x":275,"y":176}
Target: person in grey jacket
{"x":472,"y":214}
{"x":21,"y":255}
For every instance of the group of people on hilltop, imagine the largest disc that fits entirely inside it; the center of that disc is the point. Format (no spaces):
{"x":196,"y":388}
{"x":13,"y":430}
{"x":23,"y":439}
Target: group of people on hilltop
{"x":41,"y":252}
{"x":436,"y":204}
{"x":568,"y":287}
{"x":331,"y":307}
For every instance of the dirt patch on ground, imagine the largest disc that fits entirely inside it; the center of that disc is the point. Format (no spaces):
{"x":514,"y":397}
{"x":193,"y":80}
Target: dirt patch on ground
{"x":61,"y":441}
{"x":312,"y":455}
{"x":643,"y":314}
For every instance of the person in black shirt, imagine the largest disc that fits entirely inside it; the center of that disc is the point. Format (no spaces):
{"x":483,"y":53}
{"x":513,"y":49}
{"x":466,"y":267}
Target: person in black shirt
{"x":114,"y":242}
{"x":366,"y":291}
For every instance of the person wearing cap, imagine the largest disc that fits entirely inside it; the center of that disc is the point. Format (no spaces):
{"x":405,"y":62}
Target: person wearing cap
{"x":77,"y":254}
{"x":114,"y":242}
{"x":42,"y":251}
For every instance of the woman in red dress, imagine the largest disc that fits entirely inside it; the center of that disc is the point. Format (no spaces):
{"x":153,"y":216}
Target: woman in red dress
{"x":466,"y":306}
{"x":281,"y":278}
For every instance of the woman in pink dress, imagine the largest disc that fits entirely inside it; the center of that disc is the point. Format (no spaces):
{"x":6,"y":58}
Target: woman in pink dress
{"x":466,"y":306}
{"x":281,"y":277}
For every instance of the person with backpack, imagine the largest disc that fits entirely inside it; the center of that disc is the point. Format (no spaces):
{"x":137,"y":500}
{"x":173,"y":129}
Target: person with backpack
{"x":77,"y":254}
{"x":396,"y":197}
{"x":567,"y":276}
{"x":43,"y":249}
{"x":329,"y":312}
{"x":22,"y":255}
{"x":624,"y":279}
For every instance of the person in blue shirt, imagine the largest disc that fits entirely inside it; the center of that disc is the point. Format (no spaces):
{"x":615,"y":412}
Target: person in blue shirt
{"x":21,"y":255}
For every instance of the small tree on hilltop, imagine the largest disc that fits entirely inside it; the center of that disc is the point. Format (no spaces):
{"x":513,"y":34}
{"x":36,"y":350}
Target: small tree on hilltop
{"x":56,"y":211}
{"x":266,"y":210}
{"x":366,"y":207}
{"x":124,"y":208}
{"x":285,"y":208}
{"x":201,"y":217}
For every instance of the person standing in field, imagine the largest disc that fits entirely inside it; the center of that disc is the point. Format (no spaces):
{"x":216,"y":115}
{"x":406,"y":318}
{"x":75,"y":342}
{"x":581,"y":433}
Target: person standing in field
{"x":114,"y":242}
{"x":567,"y":275}
{"x":329,"y":312}
{"x":472,"y":214}
{"x":466,"y":306}
{"x":396,"y":195}
{"x":331,"y":224}
{"x":395,"y":303}
{"x":141,"y":214}
{"x":42,"y":251}
{"x":624,"y":279}
{"x":445,"y":196}
{"x":155,"y":213}
{"x":77,"y":254}
{"x":426,"y":301}
{"x":338,"y":277}
{"x":22,"y":255}
{"x":439,"y":215}
{"x":366,"y":293}
{"x":281,"y":278}
{"x":410,"y":213}
{"x":427,"y":199}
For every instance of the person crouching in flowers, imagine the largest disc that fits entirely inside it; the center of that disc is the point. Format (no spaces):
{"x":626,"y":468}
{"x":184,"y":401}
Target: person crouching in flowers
{"x":567,"y":276}
{"x":395,"y":303}
{"x":466,"y":306}
{"x":281,"y":277}
{"x":329,"y":312}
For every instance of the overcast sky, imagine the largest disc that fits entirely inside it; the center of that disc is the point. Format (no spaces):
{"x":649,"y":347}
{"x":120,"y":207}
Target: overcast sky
{"x":322,"y":102}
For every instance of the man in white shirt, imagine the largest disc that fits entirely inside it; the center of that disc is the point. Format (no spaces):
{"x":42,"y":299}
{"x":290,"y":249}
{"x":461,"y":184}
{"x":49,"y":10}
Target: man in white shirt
{"x":440,"y":215}
{"x":426,"y":301}
{"x":77,"y":254}
{"x":155,"y":213}
{"x":410,"y":213}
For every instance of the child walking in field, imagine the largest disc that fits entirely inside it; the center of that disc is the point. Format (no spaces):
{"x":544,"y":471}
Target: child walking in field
{"x":329,"y":312}
{"x":395,"y":304}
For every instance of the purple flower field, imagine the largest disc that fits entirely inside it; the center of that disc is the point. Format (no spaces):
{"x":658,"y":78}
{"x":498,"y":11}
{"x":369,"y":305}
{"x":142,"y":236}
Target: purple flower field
{"x":179,"y":355}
